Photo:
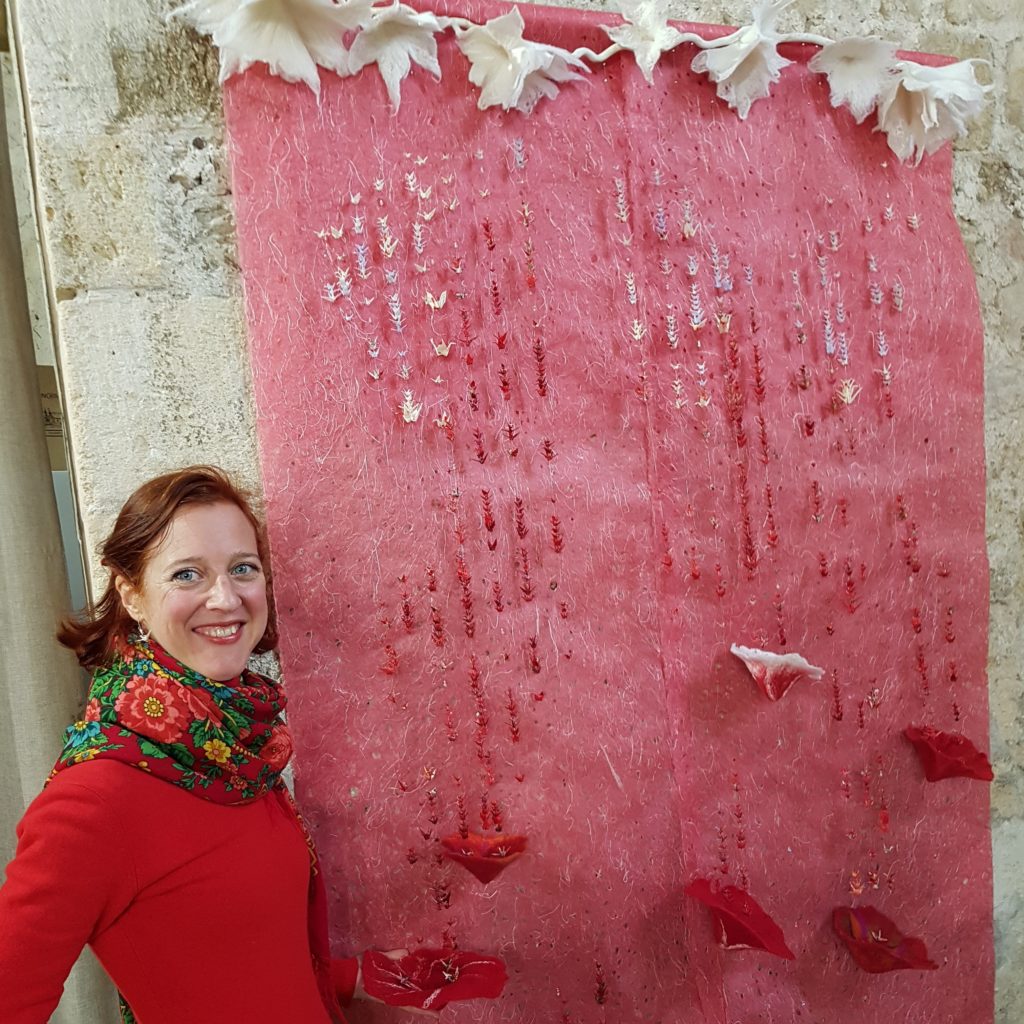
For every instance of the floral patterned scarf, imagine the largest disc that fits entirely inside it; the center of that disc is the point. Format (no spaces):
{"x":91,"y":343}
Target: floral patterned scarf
{"x":222,"y":741}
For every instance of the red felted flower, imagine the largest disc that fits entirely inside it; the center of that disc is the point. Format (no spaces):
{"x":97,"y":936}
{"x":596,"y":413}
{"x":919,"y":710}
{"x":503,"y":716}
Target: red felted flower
{"x":739,"y":921}
{"x":432,"y":978}
{"x":485,"y":856}
{"x":876,"y":944}
{"x":92,"y":711}
{"x":776,"y":673}
{"x":948,"y":755}
{"x":278,"y":748}
{"x":151,"y":708}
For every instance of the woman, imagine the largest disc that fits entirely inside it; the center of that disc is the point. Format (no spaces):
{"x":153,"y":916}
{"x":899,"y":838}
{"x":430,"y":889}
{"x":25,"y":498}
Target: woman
{"x":164,"y":837}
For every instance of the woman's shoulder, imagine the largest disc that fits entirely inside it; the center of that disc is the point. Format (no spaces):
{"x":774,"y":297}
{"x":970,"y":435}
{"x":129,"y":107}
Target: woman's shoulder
{"x":100,"y":777}
{"x":79,"y":804}
{"x":93,"y":794}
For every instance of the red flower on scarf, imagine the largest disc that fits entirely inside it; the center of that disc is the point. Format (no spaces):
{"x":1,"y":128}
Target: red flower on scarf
{"x":201,"y":704}
{"x":92,"y":711}
{"x":948,"y":755}
{"x":485,"y":856}
{"x":277,"y":749}
{"x":740,"y":923}
{"x":876,"y":944}
{"x":150,"y":707}
{"x":432,"y":978}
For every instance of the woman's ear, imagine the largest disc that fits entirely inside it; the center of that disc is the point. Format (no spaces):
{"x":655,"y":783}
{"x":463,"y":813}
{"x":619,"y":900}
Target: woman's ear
{"x":129,"y":597}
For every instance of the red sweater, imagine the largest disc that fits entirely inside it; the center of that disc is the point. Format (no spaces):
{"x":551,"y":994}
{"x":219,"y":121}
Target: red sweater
{"x":196,"y":910}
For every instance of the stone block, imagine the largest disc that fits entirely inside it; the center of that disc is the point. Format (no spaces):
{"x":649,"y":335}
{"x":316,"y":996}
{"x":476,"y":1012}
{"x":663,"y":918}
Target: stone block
{"x":1013,"y":89}
{"x":152,"y":383}
{"x":101,"y":226}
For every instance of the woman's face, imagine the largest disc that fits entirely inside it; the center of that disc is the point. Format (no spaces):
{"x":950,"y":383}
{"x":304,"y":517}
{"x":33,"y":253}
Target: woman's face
{"x":203,"y":595}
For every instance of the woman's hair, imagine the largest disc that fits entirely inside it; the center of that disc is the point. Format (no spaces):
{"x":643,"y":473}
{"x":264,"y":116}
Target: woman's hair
{"x":141,"y":525}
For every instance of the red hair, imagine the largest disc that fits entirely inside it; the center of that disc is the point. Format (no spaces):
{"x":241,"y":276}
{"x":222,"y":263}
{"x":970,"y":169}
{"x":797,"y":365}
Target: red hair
{"x":140,"y":527}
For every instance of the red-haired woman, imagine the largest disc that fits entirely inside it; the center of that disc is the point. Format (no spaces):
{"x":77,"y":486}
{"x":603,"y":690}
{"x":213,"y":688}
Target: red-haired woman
{"x":165,"y":838}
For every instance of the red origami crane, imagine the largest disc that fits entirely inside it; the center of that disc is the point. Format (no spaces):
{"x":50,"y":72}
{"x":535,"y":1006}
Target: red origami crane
{"x":876,"y":944}
{"x":776,"y":673}
{"x":485,"y":856}
{"x":432,"y":978}
{"x":948,"y":755}
{"x":739,"y":920}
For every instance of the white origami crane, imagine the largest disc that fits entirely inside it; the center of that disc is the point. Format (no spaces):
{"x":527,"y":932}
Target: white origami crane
{"x":394,"y":38}
{"x":776,"y":673}
{"x":744,"y":64}
{"x":925,"y":107}
{"x":510,"y":70}
{"x":291,"y":36}
{"x":859,"y":70}
{"x":646,"y":32}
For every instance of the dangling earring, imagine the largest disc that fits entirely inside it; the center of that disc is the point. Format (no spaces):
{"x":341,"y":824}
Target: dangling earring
{"x":143,"y":631}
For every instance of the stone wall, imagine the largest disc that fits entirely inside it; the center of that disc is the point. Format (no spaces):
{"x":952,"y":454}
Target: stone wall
{"x":133,"y":196}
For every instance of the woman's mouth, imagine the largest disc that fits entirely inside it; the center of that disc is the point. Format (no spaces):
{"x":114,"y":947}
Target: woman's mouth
{"x":221,"y":634}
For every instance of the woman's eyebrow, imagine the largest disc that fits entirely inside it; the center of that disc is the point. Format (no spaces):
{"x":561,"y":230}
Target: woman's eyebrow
{"x":197,"y":560}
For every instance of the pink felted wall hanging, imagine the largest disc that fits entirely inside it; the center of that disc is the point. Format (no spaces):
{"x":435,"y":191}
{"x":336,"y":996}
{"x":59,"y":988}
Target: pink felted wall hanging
{"x":553,"y":411}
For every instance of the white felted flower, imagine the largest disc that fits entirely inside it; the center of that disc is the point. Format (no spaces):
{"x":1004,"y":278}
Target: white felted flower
{"x":745,"y":67}
{"x":925,"y":107}
{"x":510,"y":70}
{"x":646,"y":32}
{"x":291,"y":36}
{"x":394,"y":38}
{"x":859,"y":70}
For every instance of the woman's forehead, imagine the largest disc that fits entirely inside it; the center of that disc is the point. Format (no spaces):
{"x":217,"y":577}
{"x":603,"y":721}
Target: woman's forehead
{"x":206,"y":531}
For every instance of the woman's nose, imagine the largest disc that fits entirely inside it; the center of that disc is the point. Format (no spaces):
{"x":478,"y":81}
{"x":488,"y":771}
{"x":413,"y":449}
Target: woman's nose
{"x":223,"y":593}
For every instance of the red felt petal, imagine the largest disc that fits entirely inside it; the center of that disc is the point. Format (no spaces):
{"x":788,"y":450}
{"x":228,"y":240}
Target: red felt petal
{"x":485,"y":856}
{"x":876,"y":944}
{"x":740,"y":923}
{"x":948,"y":755}
{"x":430,"y":979}
{"x":776,"y":673}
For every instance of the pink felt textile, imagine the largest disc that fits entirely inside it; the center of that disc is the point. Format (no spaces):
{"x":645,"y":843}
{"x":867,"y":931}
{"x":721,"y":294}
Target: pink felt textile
{"x":526,"y":597}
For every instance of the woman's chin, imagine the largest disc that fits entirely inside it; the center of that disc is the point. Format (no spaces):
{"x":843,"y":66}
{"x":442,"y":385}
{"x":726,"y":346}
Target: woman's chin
{"x":218,"y":664}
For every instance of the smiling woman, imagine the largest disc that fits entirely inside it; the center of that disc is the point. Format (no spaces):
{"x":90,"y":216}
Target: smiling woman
{"x":110,"y":854}
{"x":165,"y":529}
{"x":203,"y":592}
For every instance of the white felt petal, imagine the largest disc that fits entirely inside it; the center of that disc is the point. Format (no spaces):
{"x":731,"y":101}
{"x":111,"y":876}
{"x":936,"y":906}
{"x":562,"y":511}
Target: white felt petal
{"x":776,"y":673}
{"x":858,"y":70}
{"x":290,"y":36}
{"x":265,"y":31}
{"x":925,"y":107}
{"x":511,"y":71}
{"x":721,"y":62}
{"x":741,"y":83}
{"x":395,"y":38}
{"x":647,"y":33}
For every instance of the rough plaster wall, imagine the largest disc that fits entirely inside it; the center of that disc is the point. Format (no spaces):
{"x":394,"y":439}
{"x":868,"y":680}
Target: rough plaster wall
{"x":128,"y":140}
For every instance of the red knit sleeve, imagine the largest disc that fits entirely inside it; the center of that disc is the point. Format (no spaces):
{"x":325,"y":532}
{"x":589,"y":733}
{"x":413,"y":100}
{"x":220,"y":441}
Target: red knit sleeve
{"x":68,"y":878}
{"x":344,"y":974}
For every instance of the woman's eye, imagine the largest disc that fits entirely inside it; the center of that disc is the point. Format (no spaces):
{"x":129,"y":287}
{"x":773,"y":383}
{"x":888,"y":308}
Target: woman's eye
{"x":185,"y":576}
{"x":246,"y":569}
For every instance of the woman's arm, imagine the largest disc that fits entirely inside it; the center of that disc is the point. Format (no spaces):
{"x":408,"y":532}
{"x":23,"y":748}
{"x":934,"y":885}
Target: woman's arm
{"x":345,"y":976}
{"x":70,"y":876}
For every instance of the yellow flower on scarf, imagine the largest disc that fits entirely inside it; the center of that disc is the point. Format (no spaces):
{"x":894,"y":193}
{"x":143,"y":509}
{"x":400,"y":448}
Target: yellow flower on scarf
{"x":217,"y":750}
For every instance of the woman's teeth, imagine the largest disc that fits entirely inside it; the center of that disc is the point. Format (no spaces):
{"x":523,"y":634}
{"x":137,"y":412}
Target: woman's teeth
{"x":220,"y":632}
